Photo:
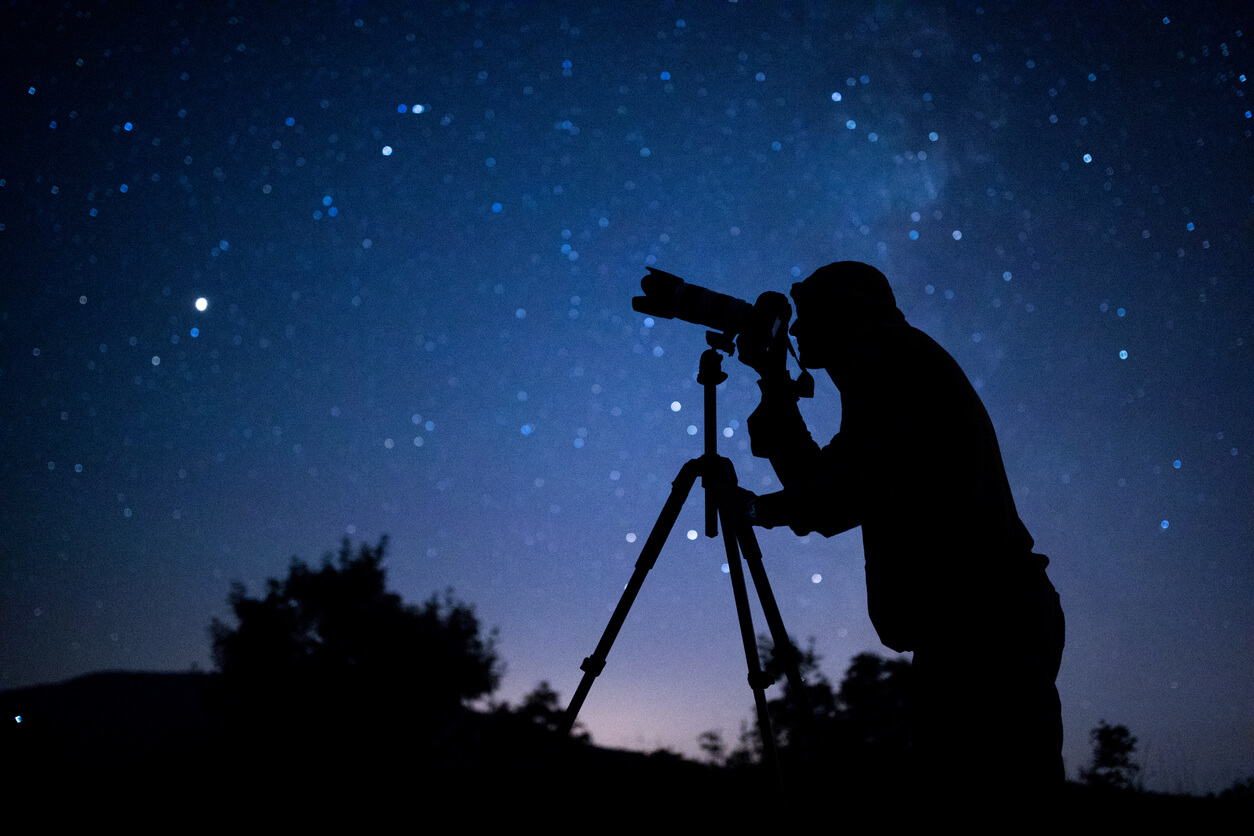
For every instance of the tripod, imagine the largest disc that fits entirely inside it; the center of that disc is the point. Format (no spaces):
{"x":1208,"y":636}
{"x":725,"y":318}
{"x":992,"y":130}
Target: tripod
{"x":738,"y":538}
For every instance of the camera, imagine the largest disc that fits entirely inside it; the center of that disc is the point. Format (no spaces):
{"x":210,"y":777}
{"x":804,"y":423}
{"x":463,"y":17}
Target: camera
{"x":760,"y":330}
{"x":670,"y":297}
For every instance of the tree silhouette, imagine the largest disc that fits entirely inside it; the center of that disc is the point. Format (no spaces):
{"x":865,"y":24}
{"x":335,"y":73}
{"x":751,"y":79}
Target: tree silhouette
{"x":797,"y":732}
{"x":711,"y":742}
{"x":1112,"y":766}
{"x":542,"y":709}
{"x":332,"y":651}
{"x":873,"y":696}
{"x":792,"y":729}
{"x":858,"y":731}
{"x":1242,"y":790}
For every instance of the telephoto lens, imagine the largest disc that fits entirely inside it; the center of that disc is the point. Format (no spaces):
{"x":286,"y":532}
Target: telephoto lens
{"x":670,"y":297}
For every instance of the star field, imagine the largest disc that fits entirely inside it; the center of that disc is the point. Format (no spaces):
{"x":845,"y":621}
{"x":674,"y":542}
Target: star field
{"x":279,"y":275}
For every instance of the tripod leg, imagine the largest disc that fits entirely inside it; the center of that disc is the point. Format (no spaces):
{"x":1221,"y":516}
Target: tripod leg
{"x":784,"y":651}
{"x":594,"y":664}
{"x":758,"y":680}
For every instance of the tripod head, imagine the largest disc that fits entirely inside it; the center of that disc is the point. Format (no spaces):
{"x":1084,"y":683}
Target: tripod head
{"x":710,"y":371}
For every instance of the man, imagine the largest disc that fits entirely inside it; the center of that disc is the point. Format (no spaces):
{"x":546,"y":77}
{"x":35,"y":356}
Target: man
{"x":949,"y":565}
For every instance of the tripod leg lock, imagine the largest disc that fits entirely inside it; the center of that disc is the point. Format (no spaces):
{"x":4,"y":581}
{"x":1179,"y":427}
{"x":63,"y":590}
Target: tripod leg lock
{"x":760,"y":680}
{"x":592,"y":665}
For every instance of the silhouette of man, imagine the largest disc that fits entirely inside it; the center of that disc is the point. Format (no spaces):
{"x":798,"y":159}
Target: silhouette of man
{"x":950,"y":571}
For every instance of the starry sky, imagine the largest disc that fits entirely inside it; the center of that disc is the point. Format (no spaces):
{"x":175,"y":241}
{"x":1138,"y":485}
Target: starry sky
{"x":416,"y":230}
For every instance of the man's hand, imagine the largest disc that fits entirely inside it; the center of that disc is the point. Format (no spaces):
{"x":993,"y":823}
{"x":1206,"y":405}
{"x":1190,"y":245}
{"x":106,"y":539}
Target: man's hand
{"x":735,"y":501}
{"x":763,"y":346}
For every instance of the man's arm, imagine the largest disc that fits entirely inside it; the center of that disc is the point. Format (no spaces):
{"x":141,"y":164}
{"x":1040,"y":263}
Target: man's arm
{"x":815,"y":496}
{"x":778,"y":432}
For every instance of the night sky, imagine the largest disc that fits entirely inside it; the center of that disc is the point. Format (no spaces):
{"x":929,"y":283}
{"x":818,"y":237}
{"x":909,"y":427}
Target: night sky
{"x":417,"y":229}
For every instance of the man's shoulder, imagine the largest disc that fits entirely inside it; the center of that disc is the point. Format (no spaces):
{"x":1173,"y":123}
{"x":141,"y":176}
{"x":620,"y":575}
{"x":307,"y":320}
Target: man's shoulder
{"x":903,"y":344}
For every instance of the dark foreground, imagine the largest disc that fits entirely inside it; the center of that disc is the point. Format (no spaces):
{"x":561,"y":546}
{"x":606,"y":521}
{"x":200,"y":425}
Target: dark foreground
{"x":132,"y":747}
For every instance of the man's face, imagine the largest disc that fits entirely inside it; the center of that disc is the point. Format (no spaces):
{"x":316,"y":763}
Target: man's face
{"x":819,"y":331}
{"x":809,"y":344}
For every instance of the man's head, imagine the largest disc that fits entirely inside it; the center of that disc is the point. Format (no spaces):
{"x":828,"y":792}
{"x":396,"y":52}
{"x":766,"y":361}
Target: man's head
{"x":835,"y":304}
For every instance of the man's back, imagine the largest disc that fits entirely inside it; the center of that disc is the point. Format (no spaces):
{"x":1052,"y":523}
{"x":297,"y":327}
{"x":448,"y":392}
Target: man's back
{"x":939,"y":525}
